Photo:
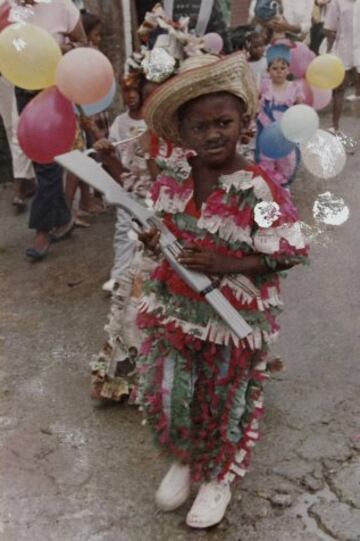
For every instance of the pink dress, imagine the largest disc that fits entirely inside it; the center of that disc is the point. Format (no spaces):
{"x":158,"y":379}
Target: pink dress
{"x":272,"y":107}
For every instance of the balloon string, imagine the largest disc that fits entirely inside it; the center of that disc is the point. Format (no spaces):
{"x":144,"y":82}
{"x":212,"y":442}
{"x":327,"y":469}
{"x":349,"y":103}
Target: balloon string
{"x":80,"y":109}
{"x":123,"y":141}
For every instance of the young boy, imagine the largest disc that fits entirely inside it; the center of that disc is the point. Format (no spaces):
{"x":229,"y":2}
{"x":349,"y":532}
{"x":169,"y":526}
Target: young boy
{"x":127,"y":164}
{"x":201,"y":387}
{"x":113,"y":375}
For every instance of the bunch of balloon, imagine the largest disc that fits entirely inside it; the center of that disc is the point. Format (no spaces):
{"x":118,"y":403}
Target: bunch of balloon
{"x":31,"y":59}
{"x":323,"y":154}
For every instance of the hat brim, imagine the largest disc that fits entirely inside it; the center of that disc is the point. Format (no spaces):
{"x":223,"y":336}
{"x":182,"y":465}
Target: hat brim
{"x":230,"y":74}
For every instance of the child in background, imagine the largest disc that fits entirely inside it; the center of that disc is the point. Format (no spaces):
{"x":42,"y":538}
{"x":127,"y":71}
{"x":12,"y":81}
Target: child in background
{"x":202,"y":388}
{"x":93,"y":28}
{"x":277,"y":96}
{"x":255,"y":47}
{"x":114,"y":370}
{"x":126,"y":162}
{"x":268,"y":12}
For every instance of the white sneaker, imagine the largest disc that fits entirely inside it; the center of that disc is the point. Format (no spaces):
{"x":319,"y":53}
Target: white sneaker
{"x":210,"y":505}
{"x":174,"y":489}
{"x":108,"y":286}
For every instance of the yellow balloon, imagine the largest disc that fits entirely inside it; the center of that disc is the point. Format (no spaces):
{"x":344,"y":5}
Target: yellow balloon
{"x":326,"y":71}
{"x":29,"y":56}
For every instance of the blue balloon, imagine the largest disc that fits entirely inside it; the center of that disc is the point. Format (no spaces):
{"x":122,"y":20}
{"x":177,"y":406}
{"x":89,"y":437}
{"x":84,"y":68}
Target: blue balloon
{"x":273,"y":143}
{"x":93,"y":108}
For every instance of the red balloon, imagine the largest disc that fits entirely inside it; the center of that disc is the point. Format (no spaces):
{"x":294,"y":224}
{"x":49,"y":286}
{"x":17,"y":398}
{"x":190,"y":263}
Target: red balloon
{"x":5,"y":9}
{"x":47,"y":126}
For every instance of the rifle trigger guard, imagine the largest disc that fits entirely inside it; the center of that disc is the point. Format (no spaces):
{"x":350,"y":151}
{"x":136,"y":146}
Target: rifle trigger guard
{"x":214,"y":285}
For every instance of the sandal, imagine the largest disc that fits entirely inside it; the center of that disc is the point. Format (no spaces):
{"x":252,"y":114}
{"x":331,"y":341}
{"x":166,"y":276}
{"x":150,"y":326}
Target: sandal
{"x":65,"y":232}
{"x":81,"y":223}
{"x":37,"y":255}
{"x":19,"y":204}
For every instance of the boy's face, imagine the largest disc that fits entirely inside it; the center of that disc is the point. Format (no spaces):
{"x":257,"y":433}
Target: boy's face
{"x":211,"y":126}
{"x":95,"y":36}
{"x":257,"y":48}
{"x":278,"y":71}
{"x":132,"y":99}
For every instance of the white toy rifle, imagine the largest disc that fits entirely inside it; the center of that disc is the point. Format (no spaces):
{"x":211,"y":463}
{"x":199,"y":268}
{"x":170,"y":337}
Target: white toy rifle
{"x":91,"y":172}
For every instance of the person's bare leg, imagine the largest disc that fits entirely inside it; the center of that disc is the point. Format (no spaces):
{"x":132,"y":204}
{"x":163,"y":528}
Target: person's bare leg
{"x":89,"y":203}
{"x":78,"y":213}
{"x":72,"y":183}
{"x":85,"y":198}
{"x":19,"y":197}
{"x":41,"y":241}
{"x":338,"y":102}
{"x":357,"y":83}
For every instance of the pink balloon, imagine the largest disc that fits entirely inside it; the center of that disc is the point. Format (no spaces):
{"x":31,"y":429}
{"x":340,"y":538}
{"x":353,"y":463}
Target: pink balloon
{"x":307,"y":91}
{"x":47,"y":126}
{"x":213,"y":43}
{"x":84,"y":75}
{"x":321,"y":97}
{"x":301,"y":57}
{"x":5,"y":9}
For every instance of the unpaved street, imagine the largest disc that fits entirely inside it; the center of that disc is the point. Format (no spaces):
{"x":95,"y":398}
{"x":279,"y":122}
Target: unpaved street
{"x":70,"y":471}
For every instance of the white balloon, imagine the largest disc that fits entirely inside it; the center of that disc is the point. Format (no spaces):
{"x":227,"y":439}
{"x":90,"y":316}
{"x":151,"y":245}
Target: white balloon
{"x":323,"y":155}
{"x":299,"y":123}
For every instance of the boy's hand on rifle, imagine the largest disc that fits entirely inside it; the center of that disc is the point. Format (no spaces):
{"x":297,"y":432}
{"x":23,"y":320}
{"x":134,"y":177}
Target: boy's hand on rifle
{"x":201,"y":260}
{"x":151,"y":240}
{"x":104,"y":146}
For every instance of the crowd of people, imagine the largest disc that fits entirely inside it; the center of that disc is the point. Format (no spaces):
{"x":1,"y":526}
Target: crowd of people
{"x":187,"y":146}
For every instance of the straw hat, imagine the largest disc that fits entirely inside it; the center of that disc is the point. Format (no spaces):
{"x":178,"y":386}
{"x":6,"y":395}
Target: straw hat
{"x":198,"y":76}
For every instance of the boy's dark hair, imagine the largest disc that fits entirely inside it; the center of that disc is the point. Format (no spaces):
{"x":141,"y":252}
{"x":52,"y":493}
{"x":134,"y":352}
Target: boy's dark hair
{"x":89,"y":21}
{"x":252,"y":36}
